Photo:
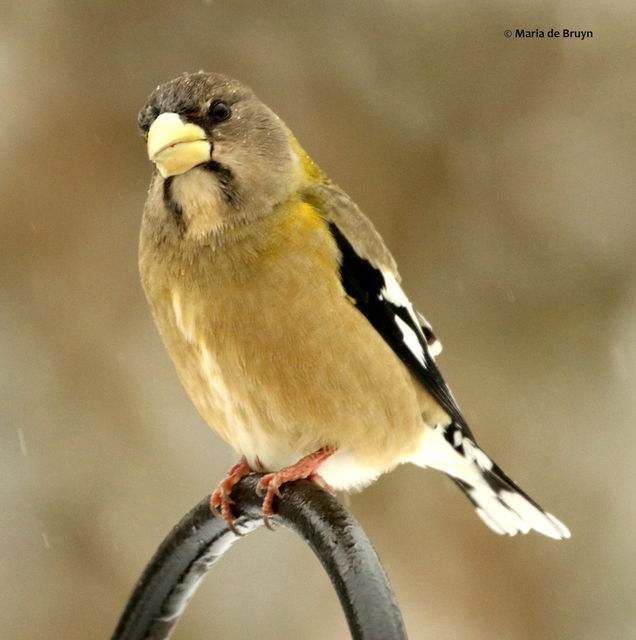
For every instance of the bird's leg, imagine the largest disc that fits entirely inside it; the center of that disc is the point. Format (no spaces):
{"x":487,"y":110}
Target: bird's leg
{"x":220,"y":500}
{"x":269,"y":485}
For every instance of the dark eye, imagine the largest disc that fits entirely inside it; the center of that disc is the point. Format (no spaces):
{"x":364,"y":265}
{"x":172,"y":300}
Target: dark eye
{"x":219,"y":111}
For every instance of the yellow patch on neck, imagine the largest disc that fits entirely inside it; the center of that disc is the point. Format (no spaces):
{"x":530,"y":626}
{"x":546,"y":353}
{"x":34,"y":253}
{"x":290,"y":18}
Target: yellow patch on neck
{"x":300,"y":227}
{"x":310,"y":170}
{"x":297,"y":214}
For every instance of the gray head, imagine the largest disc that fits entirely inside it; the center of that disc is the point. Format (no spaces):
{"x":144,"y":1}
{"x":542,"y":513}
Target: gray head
{"x":222,"y":156}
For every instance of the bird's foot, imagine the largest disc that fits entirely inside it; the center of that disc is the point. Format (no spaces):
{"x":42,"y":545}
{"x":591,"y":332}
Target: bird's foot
{"x":221,"y":501}
{"x":269,"y":485}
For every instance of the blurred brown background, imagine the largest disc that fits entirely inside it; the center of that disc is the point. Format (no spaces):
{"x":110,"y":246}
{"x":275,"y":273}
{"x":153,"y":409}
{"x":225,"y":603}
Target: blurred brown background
{"x":501,"y":173}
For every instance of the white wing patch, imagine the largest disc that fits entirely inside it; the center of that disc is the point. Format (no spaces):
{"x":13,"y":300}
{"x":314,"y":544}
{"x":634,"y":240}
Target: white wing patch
{"x":434,"y":345}
{"x":411,"y":340}
{"x":393,"y":293}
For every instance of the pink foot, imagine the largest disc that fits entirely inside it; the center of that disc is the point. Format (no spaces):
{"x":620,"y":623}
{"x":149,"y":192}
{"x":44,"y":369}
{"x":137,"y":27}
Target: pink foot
{"x":221,"y":501}
{"x":269,"y":485}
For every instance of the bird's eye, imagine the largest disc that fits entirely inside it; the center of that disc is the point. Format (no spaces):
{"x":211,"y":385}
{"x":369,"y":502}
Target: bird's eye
{"x":219,"y":111}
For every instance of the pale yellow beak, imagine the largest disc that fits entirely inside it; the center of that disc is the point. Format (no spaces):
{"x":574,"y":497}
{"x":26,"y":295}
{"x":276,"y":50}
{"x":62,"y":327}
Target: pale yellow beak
{"x":176,"y":146}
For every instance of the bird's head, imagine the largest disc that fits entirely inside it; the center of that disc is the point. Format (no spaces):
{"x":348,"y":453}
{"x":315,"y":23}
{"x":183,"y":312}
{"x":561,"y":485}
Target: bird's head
{"x":221,"y":154}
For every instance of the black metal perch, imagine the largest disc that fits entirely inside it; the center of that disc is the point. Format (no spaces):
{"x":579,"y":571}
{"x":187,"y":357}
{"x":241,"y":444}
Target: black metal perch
{"x":200,"y":539}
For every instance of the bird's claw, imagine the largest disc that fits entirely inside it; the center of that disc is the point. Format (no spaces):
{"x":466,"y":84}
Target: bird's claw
{"x":268,"y":487}
{"x":221,"y":500}
{"x":260,"y":489}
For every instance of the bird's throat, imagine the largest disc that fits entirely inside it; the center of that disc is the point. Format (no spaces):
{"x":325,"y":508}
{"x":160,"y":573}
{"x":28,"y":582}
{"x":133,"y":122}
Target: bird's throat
{"x":197,"y":202}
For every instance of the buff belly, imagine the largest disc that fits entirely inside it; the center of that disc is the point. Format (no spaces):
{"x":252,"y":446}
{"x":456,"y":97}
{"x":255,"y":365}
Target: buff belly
{"x":280,"y":388}
{"x":280,"y":363}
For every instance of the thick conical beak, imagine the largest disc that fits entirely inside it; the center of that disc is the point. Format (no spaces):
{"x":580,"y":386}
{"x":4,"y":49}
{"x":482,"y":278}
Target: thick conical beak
{"x":176,"y":146}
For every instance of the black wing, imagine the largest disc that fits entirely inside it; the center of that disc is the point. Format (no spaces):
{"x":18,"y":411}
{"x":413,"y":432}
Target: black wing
{"x":392,"y":316}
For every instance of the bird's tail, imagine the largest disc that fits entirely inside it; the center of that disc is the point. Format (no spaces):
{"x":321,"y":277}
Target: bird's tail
{"x":498,"y":501}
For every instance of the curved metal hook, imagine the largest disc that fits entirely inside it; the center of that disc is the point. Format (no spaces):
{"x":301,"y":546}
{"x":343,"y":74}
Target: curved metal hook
{"x":200,"y":539}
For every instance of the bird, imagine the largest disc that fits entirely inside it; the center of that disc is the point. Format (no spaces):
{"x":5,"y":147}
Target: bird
{"x":282,"y":310}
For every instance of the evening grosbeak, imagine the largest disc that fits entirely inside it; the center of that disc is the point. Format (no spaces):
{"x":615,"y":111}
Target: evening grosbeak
{"x":283,"y":313}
